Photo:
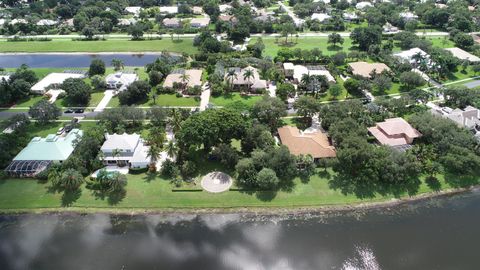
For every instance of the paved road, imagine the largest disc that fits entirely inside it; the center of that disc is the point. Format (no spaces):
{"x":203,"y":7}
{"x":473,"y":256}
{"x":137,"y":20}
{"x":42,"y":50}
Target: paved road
{"x":473,"y":84}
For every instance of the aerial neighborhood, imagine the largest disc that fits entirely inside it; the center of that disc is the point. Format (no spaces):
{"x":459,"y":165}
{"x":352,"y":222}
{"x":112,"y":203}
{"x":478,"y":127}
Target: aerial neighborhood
{"x":163,"y":104}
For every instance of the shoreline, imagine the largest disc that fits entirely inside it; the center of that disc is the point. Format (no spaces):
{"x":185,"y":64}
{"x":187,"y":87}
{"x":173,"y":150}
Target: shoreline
{"x":265,"y":211}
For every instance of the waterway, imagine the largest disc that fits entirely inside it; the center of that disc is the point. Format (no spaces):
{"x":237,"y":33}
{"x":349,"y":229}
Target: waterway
{"x":441,"y":233}
{"x":72,"y":60}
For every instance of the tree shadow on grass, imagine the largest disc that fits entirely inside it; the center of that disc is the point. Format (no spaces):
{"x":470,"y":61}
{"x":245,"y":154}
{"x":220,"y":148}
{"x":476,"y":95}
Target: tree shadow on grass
{"x":335,"y":48}
{"x":112,"y":197}
{"x":266,"y":196}
{"x":433,"y":183}
{"x":70,"y":196}
{"x":149,"y":176}
{"x":461,"y":181}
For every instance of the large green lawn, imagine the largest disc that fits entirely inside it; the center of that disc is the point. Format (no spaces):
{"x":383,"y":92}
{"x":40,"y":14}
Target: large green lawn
{"x":163,"y":100}
{"x":152,"y":192}
{"x":111,"y":45}
{"x":228,"y":99}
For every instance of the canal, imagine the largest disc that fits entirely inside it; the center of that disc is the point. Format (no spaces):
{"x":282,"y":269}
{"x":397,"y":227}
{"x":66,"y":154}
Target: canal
{"x":441,"y":233}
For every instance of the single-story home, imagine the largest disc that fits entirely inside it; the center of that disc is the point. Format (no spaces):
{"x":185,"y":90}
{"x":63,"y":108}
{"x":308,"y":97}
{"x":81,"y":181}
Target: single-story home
{"x":366,"y":70}
{"x":18,"y":21}
{"x":239,"y":79}
{"x":199,"y":22}
{"x":120,"y":80}
{"x":363,"y":5}
{"x":409,"y":55}
{"x":40,"y":153}
{"x":228,"y":18}
{"x":390,"y":29}
{"x":395,"y":132}
{"x":321,"y":17}
{"x":350,"y":16}
{"x":53,"y":80}
{"x":126,"y":22}
{"x":194,"y":77}
{"x":463,"y":55}
{"x":46,"y":22}
{"x":224,"y":7}
{"x":468,"y":118}
{"x":408,"y":16}
{"x":315,"y":144}
{"x":297,"y":71}
{"x":171,"y":22}
{"x":197,"y":10}
{"x":125,"y":150}
{"x":133,"y":10}
{"x":169,"y":10}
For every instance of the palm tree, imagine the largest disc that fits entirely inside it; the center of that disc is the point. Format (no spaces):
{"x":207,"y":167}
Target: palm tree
{"x":153,"y":153}
{"x":231,"y":77}
{"x":117,"y":182}
{"x":115,"y":154}
{"x":71,"y":179}
{"x":117,"y":64}
{"x":248,"y":75}
{"x":185,"y":78}
{"x":175,"y":120}
{"x":171,"y":149}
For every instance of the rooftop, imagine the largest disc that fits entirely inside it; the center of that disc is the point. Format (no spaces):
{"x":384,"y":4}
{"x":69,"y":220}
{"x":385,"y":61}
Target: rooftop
{"x":364,"y":69}
{"x":463,"y":55}
{"x":195,"y":77}
{"x":394,"y":132}
{"x":52,"y":147}
{"x":315,"y":144}
{"x":54,"y":79}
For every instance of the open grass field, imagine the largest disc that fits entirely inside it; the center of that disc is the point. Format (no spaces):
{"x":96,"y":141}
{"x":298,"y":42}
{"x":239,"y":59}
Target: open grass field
{"x":111,"y":45}
{"x":225,"y":100}
{"x":163,"y":100}
{"x":152,"y":192}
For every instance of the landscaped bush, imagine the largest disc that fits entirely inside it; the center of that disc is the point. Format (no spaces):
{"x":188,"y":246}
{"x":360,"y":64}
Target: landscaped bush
{"x":137,"y":170}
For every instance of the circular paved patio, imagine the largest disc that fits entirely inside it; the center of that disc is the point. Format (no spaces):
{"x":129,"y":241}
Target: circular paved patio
{"x":216,"y":182}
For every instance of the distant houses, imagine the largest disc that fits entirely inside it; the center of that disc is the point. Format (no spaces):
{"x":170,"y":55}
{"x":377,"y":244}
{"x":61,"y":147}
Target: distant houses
{"x":238,"y":78}
{"x":395,"y":132}
{"x":125,"y":150}
{"x":40,"y":153}
{"x":463,"y":55}
{"x":468,"y":118}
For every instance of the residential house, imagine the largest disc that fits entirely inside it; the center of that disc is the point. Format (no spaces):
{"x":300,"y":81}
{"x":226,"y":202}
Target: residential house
{"x":169,"y":10}
{"x":197,"y":10}
{"x":410,"y":55}
{"x":224,"y":8}
{"x":468,"y":118}
{"x":350,"y":17}
{"x":239,"y":80}
{"x":408,"y":16}
{"x":133,"y":10}
{"x":395,"y":132}
{"x":199,"y":22}
{"x":463,"y":55}
{"x":126,"y":22}
{"x":194,"y":78}
{"x":314,"y":143}
{"x":125,"y":150}
{"x":46,"y":22}
{"x":18,"y":21}
{"x":53,"y":81}
{"x":366,"y":70}
{"x":120,"y":80}
{"x":228,"y":19}
{"x":321,"y":17}
{"x":296,"y":72}
{"x":389,"y":29}
{"x":363,"y":5}
{"x":171,"y":23}
{"x":40,"y":153}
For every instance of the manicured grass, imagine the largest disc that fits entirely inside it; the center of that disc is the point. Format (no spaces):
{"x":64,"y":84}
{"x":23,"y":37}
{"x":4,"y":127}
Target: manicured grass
{"x":111,"y":45}
{"x":163,"y":100}
{"x":35,"y":130}
{"x":225,"y":100}
{"x":304,"y":43}
{"x":152,"y":192}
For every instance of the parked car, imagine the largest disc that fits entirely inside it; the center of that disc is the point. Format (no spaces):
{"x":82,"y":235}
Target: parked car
{"x":79,"y":110}
{"x":60,"y":131}
{"x":68,"y":111}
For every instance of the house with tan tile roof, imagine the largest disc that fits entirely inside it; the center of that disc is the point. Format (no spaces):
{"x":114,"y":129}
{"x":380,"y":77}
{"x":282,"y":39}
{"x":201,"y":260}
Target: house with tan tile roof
{"x":394,"y":132}
{"x":315,"y":144}
{"x":194,"y":77}
{"x":365,"y":69}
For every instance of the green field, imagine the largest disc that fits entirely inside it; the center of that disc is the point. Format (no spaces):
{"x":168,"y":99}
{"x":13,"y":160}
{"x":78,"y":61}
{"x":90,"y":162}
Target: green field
{"x":225,"y":100}
{"x":163,"y":100}
{"x":112,"y":45}
{"x":152,"y":192}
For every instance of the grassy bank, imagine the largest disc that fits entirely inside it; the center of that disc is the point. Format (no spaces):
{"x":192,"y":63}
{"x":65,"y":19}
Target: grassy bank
{"x":112,"y":45}
{"x":155,"y":193}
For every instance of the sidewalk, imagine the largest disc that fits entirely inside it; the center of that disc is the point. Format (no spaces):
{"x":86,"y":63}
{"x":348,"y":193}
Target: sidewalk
{"x":205,"y":97}
{"x":104,"y":102}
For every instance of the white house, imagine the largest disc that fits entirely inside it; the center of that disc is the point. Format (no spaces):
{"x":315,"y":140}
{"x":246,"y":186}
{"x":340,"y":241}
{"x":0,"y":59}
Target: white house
{"x":363,"y":5}
{"x":321,"y":17}
{"x":17,"y":21}
{"x":125,"y":150}
{"x":133,"y":10}
{"x":53,"y":80}
{"x":297,"y":71}
{"x":408,"y":55}
{"x":120,"y":80}
{"x":408,"y":16}
{"x":350,"y":16}
{"x":463,"y":55}
{"x":46,"y":22}
{"x":169,"y":10}
{"x":126,"y":22}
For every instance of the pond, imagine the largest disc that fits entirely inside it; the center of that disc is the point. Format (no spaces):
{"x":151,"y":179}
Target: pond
{"x":72,"y":60}
{"x":440,"y":233}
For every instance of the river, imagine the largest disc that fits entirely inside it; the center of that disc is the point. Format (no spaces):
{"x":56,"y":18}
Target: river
{"x":441,"y":233}
{"x":72,"y":60}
